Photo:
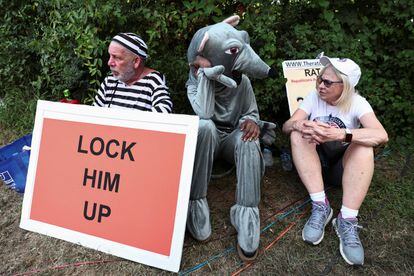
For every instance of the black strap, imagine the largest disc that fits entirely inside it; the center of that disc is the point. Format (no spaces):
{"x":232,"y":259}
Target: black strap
{"x":113,"y":94}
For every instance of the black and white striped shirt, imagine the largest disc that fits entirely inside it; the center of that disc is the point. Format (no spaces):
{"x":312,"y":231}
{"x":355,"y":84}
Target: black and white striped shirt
{"x":147,"y":94}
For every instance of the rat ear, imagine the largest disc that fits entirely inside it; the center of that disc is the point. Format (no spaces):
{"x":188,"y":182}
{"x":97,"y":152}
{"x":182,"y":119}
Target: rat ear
{"x":232,"y":20}
{"x":203,"y":42}
{"x":245,"y":36}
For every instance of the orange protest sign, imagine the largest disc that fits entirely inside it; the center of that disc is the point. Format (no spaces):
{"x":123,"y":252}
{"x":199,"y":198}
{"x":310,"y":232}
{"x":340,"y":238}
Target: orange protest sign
{"x":110,"y":181}
{"x":301,"y":79}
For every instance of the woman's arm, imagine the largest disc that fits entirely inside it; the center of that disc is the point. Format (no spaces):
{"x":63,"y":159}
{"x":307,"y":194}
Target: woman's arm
{"x":372,"y":132}
{"x":296,"y":122}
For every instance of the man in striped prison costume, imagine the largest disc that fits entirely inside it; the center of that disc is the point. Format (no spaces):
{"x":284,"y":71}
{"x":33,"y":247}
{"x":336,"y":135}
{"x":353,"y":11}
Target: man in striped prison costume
{"x":132,"y":84}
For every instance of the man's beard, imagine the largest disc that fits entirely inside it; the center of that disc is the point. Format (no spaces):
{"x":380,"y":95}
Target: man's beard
{"x":126,"y":76}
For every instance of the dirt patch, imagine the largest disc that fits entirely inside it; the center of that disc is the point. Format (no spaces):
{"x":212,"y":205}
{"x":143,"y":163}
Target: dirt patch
{"x":388,"y":241}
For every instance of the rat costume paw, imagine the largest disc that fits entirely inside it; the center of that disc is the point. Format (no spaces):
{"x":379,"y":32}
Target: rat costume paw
{"x":216,"y":73}
{"x":267,"y":132}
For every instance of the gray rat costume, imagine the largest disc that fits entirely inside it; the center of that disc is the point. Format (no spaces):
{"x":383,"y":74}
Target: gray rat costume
{"x":223,"y":102}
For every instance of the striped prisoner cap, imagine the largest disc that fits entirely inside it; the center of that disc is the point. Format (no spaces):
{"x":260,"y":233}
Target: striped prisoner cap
{"x":132,"y":42}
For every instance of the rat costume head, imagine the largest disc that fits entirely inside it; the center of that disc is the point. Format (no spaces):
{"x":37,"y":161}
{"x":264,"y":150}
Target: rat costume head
{"x":222,"y":44}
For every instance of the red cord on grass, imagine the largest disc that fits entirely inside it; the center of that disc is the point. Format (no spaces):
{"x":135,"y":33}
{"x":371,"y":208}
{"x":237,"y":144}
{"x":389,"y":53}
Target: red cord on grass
{"x":264,"y":220}
{"x":284,"y":208}
{"x":269,"y":245}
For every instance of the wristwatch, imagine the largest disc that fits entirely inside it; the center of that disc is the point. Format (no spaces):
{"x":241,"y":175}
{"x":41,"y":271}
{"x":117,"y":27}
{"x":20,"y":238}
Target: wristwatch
{"x":348,"y":135}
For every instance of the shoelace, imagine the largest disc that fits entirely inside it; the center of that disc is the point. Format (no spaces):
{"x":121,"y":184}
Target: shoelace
{"x":350,"y":233}
{"x":318,"y":217}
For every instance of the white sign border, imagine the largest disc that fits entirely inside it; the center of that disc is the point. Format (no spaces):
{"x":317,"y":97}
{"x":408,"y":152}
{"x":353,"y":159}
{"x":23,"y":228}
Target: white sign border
{"x":174,"y":123}
{"x":298,"y":64}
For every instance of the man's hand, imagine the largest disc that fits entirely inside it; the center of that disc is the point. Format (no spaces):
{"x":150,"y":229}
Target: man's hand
{"x":251,"y":130}
{"x":200,"y":62}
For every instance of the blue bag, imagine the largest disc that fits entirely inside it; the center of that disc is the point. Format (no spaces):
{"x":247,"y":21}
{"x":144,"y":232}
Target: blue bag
{"x":15,"y":147}
{"x":13,"y":171}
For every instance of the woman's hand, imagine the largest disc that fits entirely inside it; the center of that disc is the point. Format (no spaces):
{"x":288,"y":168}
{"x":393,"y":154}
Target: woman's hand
{"x":317,"y":132}
{"x":301,"y":125}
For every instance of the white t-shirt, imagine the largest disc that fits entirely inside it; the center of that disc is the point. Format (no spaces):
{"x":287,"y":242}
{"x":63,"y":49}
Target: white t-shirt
{"x":319,"y":110}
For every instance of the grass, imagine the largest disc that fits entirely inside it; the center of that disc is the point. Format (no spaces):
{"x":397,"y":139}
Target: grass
{"x":386,"y":215}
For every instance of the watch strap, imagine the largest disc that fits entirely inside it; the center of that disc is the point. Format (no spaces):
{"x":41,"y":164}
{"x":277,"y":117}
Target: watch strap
{"x":348,"y":135}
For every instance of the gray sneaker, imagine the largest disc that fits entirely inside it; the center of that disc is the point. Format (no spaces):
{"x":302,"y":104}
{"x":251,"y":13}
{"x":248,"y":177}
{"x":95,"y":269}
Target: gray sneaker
{"x":314,"y":229}
{"x":349,"y":243}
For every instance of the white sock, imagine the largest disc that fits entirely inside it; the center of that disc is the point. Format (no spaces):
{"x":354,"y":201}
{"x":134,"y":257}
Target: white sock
{"x":320,"y":197}
{"x":348,"y":213}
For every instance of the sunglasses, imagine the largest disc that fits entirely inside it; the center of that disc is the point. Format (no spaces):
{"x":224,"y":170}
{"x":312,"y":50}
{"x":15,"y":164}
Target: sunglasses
{"x":327,"y":83}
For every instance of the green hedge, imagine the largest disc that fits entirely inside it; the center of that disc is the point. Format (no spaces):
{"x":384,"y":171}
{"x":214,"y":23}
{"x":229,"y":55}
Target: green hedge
{"x":48,"y":46}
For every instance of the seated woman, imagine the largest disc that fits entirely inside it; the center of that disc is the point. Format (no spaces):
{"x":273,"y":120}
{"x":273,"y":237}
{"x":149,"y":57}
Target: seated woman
{"x":332,"y":134}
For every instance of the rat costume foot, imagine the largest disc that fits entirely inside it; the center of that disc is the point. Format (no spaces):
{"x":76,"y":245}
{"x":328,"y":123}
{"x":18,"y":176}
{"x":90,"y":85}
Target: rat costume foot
{"x":198,"y":220}
{"x":247,"y":257}
{"x":246,"y":220}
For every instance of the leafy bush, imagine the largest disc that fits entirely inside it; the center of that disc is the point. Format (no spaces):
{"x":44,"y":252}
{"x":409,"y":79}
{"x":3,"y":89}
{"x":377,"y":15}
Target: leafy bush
{"x":48,"y":46}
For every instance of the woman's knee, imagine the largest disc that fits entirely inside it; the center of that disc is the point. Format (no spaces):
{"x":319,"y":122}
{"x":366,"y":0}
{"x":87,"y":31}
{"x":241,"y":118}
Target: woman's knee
{"x":296,"y":138}
{"x":360,"y":152}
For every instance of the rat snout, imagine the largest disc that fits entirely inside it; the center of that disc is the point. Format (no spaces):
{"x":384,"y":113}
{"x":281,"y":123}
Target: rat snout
{"x":249,"y":63}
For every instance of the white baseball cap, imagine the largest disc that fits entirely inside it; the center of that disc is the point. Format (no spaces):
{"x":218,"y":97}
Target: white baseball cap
{"x":344,"y":65}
